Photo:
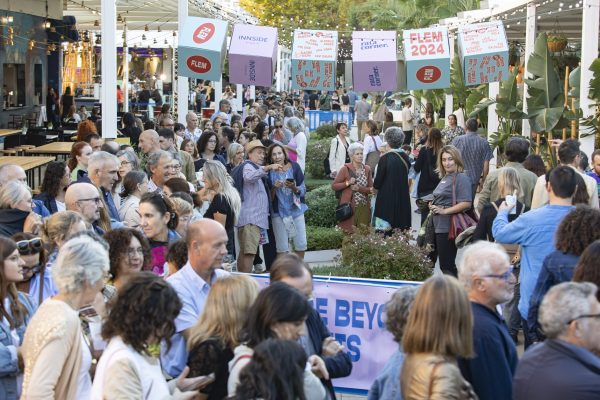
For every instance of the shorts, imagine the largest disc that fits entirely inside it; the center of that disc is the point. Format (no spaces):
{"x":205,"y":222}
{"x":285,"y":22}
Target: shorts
{"x":249,"y":238}
{"x":282,"y":238}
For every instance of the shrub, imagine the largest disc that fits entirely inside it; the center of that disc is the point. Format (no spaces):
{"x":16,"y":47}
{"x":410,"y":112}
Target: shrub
{"x":321,"y":238}
{"x":369,"y":254}
{"x":325,"y":131}
{"x":321,"y":207}
{"x":312,"y":184}
{"x":316,"y":152}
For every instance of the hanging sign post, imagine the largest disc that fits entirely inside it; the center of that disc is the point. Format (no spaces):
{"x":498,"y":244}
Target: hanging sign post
{"x":201,"y":48}
{"x":314,"y":59}
{"x":484,"y":52}
{"x":374,"y":63}
{"x":427,"y":55}
{"x":252,"y":55}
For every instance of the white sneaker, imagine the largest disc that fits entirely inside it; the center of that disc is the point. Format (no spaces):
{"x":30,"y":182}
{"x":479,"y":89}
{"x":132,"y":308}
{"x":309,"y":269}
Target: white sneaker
{"x":258,"y":269}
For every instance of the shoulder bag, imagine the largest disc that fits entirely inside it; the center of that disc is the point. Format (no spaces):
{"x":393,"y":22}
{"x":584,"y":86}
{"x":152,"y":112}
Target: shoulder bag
{"x":344,"y":210}
{"x":459,"y":222}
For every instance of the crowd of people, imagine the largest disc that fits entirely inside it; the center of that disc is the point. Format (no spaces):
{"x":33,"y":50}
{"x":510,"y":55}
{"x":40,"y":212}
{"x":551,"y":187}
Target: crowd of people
{"x":115,"y":278}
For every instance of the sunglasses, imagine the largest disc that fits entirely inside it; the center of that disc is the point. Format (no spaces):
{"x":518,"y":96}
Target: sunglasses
{"x":29,"y":246}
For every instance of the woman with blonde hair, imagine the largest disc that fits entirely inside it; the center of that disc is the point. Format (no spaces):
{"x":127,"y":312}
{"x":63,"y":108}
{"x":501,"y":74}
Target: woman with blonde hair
{"x":508,"y":185}
{"x":452,"y":195}
{"x":224,"y":199}
{"x":215,"y":335}
{"x":439,"y":329}
{"x":235,"y":156}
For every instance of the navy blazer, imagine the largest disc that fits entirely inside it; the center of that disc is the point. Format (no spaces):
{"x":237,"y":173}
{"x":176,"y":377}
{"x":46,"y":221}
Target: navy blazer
{"x":47,"y":201}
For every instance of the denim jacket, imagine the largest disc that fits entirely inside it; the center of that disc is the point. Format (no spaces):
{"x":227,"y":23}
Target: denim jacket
{"x":557,"y":267}
{"x":8,"y":355}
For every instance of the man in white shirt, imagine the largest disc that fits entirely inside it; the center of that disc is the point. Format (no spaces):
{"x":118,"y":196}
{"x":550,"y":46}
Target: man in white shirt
{"x":407,"y":121}
{"x":192,"y":131}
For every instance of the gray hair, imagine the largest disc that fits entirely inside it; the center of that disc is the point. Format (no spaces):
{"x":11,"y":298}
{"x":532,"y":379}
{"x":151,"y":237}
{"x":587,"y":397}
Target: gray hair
{"x":189,"y":115}
{"x":394,"y":137}
{"x":12,"y":193}
{"x":131,"y":157}
{"x":6,"y":172}
{"x":155,"y":157}
{"x":477,"y":259}
{"x":232,"y":151}
{"x":295,"y":124}
{"x":397,"y":309}
{"x":223,"y":102}
{"x":288,"y":111}
{"x":80,"y":261}
{"x":354,"y":147}
{"x":99,"y":159}
{"x":563,"y":303}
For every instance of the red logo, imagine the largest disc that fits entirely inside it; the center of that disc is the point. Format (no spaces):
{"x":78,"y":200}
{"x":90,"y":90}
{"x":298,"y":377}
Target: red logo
{"x":203,"y":33}
{"x":429,"y":74}
{"x":198,"y":64}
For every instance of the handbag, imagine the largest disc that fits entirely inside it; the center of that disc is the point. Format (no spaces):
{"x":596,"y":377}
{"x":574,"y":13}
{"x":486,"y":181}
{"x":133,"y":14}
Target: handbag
{"x":459,"y":222}
{"x":426,"y":232}
{"x":343,"y":212}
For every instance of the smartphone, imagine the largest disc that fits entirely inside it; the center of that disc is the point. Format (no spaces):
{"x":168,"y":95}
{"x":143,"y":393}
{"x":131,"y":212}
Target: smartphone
{"x":291,"y":180}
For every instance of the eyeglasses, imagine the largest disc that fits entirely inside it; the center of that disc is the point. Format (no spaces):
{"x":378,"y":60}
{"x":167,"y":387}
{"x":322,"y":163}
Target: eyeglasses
{"x":505,"y":276}
{"x":32,"y":270}
{"x":124,"y":163}
{"x":212,"y":141}
{"x":133,"y":252}
{"x":584,"y":316}
{"x":29,"y":246}
{"x":177,"y":167}
{"x":94,"y":199}
{"x":278,"y":126}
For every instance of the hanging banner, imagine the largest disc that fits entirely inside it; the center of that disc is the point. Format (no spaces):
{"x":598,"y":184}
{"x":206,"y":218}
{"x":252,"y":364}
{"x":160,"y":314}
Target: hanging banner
{"x":201,"y":51}
{"x":427,"y":55}
{"x":314,"y":59}
{"x":374,"y":64}
{"x":484,"y":52}
{"x":253,"y":55}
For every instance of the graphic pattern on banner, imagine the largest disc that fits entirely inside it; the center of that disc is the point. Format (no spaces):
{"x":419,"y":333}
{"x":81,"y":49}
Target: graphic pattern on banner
{"x":201,"y":49}
{"x":353,"y":312}
{"x":427,"y":54}
{"x":484,"y":51}
{"x":314,"y":59}
{"x":374,"y":61}
{"x":252,"y":55}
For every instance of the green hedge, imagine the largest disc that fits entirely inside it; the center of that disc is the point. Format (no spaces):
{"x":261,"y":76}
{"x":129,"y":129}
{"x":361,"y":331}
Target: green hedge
{"x":325,"y":132}
{"x":368,"y":254}
{"x":316,"y":151}
{"x":312,"y":184}
{"x":321,"y":207}
{"x":320,"y":238}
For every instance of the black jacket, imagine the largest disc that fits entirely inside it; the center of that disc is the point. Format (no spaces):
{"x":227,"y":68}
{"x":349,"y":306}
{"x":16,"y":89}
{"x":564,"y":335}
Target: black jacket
{"x":12,"y":221}
{"x":426,"y":165}
{"x":338,"y":366}
{"x":557,"y":370}
{"x":49,"y":202}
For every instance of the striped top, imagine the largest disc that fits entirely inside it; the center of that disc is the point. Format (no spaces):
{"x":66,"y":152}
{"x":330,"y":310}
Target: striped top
{"x":255,"y":207}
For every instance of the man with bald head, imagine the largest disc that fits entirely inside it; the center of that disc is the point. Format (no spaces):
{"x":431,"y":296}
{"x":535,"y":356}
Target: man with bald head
{"x":84,"y":198}
{"x":147,"y":144}
{"x":13,"y":172}
{"x":207,"y":245}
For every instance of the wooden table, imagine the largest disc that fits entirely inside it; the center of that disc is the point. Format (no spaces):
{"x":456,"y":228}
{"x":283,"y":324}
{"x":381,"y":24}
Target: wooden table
{"x":54,"y":148}
{"x":9,"y":132}
{"x":31,"y":165}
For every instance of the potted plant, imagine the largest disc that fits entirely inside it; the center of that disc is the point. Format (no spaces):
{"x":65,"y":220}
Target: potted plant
{"x":557,"y":42}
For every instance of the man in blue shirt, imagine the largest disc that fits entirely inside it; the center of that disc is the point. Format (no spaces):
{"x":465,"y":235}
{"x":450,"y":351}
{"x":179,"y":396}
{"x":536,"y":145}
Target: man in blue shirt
{"x":487,"y":276}
{"x":352,"y":97}
{"x":207,"y":245}
{"x":534,"y":231}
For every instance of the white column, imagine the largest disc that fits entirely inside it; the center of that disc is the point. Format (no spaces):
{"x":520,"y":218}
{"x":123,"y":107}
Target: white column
{"x":239,"y":96}
{"x":125,"y":70}
{"x":108,"y":93}
{"x":530,"y":34}
{"x":493,"y":91}
{"x":448,"y":106}
{"x":182,"y":82}
{"x":218,"y":87}
{"x":278,"y":76}
{"x":589,"y":51}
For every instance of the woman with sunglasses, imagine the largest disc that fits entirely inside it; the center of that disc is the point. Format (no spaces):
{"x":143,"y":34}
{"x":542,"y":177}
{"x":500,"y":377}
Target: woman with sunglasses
{"x":37,"y":282}
{"x":129,"y":253}
{"x":158,"y":222}
{"x":57,"y":179}
{"x":208,"y":146}
{"x":15,"y":312}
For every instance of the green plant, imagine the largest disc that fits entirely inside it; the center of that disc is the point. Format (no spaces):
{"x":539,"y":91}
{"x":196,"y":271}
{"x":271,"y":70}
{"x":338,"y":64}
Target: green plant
{"x":325,"y":131}
{"x":316,"y":151}
{"x":321,"y":238}
{"x":312,"y":184}
{"x":592,"y":123}
{"x":332,"y":270}
{"x":369,"y":254}
{"x":321,"y":207}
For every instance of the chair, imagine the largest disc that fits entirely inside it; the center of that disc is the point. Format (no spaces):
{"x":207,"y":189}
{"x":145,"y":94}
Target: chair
{"x":16,"y":121}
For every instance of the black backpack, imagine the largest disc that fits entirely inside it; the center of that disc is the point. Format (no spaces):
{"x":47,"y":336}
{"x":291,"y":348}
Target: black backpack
{"x":326,"y":165}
